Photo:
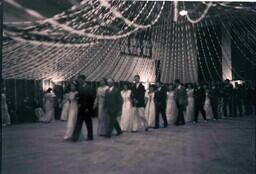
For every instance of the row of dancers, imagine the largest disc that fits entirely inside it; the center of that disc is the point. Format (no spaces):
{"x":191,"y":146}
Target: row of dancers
{"x":138,"y":108}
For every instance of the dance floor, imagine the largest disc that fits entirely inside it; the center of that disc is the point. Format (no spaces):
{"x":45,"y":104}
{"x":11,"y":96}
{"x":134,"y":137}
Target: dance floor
{"x":216,"y":147}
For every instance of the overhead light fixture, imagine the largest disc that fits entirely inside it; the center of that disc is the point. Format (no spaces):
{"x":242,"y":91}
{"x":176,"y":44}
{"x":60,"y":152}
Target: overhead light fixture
{"x":183,"y":12}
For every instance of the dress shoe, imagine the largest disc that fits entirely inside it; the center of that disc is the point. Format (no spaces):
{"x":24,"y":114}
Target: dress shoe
{"x":89,"y":139}
{"x":119,"y":133}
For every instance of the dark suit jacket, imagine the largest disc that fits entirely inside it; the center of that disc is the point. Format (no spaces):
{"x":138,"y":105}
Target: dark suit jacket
{"x":214,"y":95}
{"x":112,"y":102}
{"x":199,"y":95}
{"x":181,"y":96}
{"x":86,"y":97}
{"x":160,"y":97}
{"x":138,"y":94}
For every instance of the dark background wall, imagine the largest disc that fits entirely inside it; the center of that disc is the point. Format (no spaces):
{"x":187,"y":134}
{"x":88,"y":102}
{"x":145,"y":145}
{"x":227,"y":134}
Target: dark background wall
{"x":243,"y":46}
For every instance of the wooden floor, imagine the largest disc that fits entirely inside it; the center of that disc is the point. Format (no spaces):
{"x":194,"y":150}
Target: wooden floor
{"x":217,"y":147}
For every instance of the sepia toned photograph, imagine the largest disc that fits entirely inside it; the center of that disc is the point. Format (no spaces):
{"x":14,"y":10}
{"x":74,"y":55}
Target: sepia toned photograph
{"x":128,"y":87}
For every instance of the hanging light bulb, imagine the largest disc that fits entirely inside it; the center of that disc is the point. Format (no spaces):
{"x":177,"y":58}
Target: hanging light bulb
{"x":183,"y":12}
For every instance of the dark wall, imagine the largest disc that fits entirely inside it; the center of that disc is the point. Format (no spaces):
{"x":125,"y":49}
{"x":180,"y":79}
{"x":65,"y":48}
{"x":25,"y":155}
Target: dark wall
{"x":17,"y":91}
{"x":243,"y":48}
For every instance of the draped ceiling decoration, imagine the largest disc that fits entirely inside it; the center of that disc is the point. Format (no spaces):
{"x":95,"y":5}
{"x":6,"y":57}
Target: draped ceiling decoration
{"x":89,"y":38}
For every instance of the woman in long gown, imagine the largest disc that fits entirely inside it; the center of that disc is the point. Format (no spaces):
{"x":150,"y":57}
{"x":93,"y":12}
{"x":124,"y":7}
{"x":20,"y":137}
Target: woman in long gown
{"x":207,"y":105}
{"x":49,"y":111}
{"x":150,"y":109}
{"x":65,"y":107}
{"x":6,"y":120}
{"x":171,"y":108}
{"x":189,"y":113}
{"x":98,"y":103}
{"x":72,"y":112}
{"x":126,"y":121}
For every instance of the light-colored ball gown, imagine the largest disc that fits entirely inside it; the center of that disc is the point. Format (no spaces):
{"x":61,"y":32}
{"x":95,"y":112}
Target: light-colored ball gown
{"x":72,"y":114}
{"x":171,"y":108}
{"x":150,"y":109}
{"x":65,"y":108}
{"x":126,"y":122}
{"x":189,"y":113}
{"x":49,"y":111}
{"x":102,"y":119}
{"x":208,"y":107}
{"x":4,"y":111}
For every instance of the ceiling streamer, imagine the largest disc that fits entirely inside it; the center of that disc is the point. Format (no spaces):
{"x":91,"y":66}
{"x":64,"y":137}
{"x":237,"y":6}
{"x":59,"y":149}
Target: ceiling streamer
{"x":68,"y":43}
{"x":87,"y":39}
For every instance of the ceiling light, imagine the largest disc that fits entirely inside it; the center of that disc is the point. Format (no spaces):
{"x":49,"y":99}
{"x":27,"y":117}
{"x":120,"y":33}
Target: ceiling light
{"x":183,"y":12}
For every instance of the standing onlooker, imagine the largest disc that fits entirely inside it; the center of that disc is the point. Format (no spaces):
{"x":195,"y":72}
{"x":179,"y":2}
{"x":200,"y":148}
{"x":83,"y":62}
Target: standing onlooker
{"x":227,"y":98}
{"x":248,"y":99}
{"x":237,"y":100}
{"x":254,"y":101}
{"x":171,"y":108}
{"x":150,"y":110}
{"x":181,"y":102}
{"x":26,"y":111}
{"x":6,"y":120}
{"x":219,"y":86}
{"x":126,"y":122}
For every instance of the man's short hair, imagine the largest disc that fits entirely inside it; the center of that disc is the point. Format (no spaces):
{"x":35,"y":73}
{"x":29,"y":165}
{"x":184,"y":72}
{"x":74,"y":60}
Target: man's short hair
{"x":83,"y":77}
{"x":137,"y":76}
{"x":177,"y":81}
{"x":159,"y":82}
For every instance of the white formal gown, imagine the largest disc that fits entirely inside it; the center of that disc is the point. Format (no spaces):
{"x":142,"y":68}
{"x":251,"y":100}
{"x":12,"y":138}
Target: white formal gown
{"x":102,"y":120}
{"x":171,"y":108}
{"x":126,"y":121}
{"x":189,"y":113}
{"x":150,"y":109}
{"x":49,"y":111}
{"x":72,"y":115}
{"x":208,"y":107}
{"x":65,"y":108}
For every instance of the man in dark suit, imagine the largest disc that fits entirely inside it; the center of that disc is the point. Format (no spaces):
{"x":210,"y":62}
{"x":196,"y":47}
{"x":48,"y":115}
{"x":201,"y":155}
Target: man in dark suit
{"x":160,"y":102}
{"x":85,"y":109}
{"x":138,"y":102}
{"x":112,"y":106}
{"x":227,"y":98}
{"x":237,"y":100}
{"x":214,"y":100}
{"x":181,"y":102}
{"x":199,"y":96}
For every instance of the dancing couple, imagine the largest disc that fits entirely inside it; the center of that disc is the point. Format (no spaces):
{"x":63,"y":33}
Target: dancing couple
{"x":81,"y":105}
